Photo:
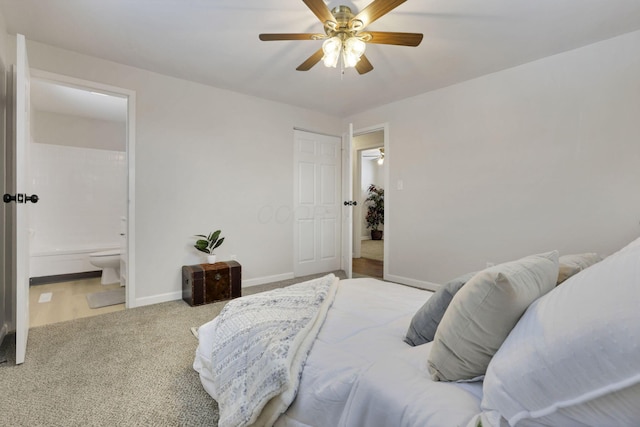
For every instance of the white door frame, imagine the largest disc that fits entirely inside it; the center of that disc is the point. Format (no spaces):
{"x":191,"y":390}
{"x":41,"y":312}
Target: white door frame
{"x":6,"y":296}
{"x":347,"y":196}
{"x":131,"y":144}
{"x":387,"y":157}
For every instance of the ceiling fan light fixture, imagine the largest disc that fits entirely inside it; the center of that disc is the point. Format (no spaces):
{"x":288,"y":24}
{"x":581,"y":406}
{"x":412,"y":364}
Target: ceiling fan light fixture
{"x":331,"y":48}
{"x":353,"y":50}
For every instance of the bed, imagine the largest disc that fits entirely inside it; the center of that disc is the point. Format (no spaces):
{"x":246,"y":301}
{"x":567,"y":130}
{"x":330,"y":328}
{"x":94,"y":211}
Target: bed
{"x":568,"y":354}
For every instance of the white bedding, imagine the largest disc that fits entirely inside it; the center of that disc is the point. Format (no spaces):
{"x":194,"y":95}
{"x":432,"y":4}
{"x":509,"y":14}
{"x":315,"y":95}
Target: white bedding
{"x":261,"y":344}
{"x":360,"y":372}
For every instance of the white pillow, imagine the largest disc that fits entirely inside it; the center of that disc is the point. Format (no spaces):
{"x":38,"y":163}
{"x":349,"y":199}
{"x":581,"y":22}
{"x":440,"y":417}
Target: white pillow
{"x":573,"y":359}
{"x":634,"y":244}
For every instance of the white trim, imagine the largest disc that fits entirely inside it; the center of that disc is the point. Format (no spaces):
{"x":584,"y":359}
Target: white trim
{"x":131,"y":199}
{"x":131,"y":149}
{"x":175,"y":296}
{"x":429,"y":286}
{"x":157,"y":299}
{"x":316,"y":132}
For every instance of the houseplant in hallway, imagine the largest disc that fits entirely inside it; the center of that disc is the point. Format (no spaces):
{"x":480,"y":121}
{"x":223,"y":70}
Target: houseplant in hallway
{"x":375,"y":210}
{"x":209,"y":243}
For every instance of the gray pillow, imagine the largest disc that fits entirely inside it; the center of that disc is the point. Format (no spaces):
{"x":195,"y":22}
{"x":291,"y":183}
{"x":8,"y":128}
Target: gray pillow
{"x":425,"y":322}
{"x":484,"y":311}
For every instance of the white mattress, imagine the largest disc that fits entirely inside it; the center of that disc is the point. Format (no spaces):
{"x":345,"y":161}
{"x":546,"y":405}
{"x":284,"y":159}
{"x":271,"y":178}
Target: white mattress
{"x":360,"y":372}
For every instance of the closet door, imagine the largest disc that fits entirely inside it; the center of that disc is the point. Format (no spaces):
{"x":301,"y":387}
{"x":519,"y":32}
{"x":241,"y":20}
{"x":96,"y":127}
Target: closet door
{"x":317,"y":213}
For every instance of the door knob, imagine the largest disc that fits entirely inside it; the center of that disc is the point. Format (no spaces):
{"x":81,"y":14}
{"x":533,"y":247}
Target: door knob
{"x":20,"y":198}
{"x":350,"y":203}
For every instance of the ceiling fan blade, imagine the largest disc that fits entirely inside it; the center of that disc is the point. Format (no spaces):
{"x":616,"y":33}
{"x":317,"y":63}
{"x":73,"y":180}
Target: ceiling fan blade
{"x":363,"y":66}
{"x":398,"y":39}
{"x":311,"y":61}
{"x":375,"y":10}
{"x":290,"y":36}
{"x":320,"y":10}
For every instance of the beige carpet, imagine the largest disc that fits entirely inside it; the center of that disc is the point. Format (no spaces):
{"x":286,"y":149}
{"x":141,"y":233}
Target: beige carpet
{"x":372,"y":249}
{"x":129,"y":368}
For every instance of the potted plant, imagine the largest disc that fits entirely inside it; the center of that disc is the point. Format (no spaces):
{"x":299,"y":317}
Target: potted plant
{"x":208,"y":244}
{"x":375,"y":210}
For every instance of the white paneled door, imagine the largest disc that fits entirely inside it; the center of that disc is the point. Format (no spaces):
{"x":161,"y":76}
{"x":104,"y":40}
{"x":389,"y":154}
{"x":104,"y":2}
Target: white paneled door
{"x":23,"y":198}
{"x":317,"y":203}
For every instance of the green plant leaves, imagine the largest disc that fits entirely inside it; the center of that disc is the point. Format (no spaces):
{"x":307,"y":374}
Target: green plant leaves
{"x":375,"y":207}
{"x":218,"y":244}
{"x":214,"y":236}
{"x":208,"y":242}
{"x":202,"y":245}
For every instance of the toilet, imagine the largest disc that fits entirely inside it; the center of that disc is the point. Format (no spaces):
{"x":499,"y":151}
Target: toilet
{"x":109,"y":262}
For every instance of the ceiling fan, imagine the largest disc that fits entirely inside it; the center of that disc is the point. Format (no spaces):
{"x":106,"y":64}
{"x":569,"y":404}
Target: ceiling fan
{"x":345,"y":36}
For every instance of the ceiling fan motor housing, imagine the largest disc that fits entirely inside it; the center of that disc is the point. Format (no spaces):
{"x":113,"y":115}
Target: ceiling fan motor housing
{"x":344,"y":23}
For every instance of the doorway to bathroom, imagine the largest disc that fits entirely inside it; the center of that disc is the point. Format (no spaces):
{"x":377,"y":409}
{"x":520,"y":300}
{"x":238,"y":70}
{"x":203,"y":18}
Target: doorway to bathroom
{"x":80,"y":164}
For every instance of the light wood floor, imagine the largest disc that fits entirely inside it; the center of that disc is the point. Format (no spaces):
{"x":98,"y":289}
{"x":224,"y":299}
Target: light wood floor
{"x":68,"y":301}
{"x":372,"y":261}
{"x":367,"y":267}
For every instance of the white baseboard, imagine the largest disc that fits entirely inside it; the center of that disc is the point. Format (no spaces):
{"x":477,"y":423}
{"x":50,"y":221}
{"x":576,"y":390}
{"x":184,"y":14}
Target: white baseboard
{"x":174,"y":296}
{"x":267,"y":279}
{"x":430,"y":286}
{"x":156,"y":299}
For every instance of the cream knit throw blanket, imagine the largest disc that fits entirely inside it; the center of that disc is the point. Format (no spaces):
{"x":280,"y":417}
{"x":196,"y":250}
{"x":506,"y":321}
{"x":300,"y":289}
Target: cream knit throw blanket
{"x":261,"y":344}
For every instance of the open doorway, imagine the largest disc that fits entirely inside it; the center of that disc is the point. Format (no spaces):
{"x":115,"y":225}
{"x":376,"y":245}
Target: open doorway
{"x":80,"y":165}
{"x":368,"y":182}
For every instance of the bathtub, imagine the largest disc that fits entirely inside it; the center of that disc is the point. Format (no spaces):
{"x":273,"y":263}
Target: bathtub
{"x":56,"y":261}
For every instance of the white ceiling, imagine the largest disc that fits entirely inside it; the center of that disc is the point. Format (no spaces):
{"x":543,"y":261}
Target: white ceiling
{"x":215,"y":42}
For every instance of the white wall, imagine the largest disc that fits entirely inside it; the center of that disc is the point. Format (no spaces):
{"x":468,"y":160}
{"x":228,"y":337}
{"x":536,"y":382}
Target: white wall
{"x":6,"y":289}
{"x":4,"y":43}
{"x":539,"y":157}
{"x":205,"y":159}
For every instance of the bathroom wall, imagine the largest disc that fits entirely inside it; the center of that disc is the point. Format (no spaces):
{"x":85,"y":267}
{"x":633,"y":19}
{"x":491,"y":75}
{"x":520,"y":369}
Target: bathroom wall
{"x":74,"y":131}
{"x":82,"y":189}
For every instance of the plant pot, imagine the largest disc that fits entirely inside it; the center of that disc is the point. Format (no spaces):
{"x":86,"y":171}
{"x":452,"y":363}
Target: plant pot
{"x":376,"y":234}
{"x":211,"y":259}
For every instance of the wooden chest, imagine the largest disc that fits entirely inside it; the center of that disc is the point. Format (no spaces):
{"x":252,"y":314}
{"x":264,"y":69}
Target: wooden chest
{"x":207,"y":283}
